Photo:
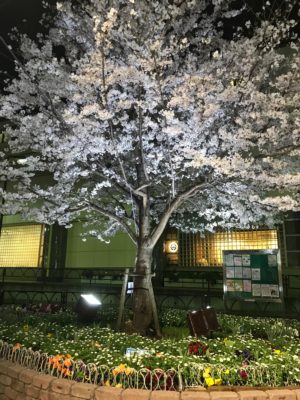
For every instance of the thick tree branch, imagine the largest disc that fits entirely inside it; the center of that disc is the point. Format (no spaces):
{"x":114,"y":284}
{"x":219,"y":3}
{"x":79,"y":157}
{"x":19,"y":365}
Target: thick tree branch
{"x":119,"y":220}
{"x":141,"y":149}
{"x":173,"y":206}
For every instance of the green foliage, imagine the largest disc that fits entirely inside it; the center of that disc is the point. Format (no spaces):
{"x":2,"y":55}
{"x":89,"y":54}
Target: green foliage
{"x":175,"y":332}
{"x":173,"y":317}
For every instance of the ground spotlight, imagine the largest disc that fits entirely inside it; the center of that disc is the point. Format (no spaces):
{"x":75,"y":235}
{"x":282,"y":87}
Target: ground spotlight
{"x":87,"y":307}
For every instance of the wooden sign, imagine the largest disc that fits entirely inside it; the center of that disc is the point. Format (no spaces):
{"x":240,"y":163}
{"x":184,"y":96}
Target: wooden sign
{"x":202,"y":322}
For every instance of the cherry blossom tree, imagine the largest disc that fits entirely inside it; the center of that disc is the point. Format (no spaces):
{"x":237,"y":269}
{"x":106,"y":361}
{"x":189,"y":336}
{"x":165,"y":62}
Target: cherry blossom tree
{"x":131,"y":115}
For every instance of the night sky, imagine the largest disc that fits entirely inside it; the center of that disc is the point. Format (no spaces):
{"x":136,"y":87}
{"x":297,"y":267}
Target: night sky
{"x":24,"y":14}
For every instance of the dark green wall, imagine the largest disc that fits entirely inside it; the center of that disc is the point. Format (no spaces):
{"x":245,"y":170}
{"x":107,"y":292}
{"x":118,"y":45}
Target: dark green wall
{"x":93,"y":253}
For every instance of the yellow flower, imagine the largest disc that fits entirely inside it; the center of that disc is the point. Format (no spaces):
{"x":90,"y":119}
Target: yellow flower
{"x":119,"y":370}
{"x":211,"y":382}
{"x":227,"y":372}
{"x":49,"y":334}
{"x":206,"y":373}
{"x":106,"y":383}
{"x":129,"y":371}
{"x":277,"y":351}
{"x":119,"y":385}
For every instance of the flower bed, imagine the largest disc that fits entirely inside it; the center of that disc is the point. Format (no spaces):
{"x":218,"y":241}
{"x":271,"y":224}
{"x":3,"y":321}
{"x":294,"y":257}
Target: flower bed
{"x":247,"y":351}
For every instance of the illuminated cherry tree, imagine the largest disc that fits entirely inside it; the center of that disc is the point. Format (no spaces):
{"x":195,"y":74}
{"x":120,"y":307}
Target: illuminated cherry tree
{"x":135,"y":114}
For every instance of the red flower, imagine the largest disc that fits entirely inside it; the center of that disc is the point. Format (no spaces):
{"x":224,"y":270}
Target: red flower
{"x":197,"y":348}
{"x":243,"y":374}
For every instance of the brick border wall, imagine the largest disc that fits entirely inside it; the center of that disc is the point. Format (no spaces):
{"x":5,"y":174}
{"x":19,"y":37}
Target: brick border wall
{"x":19,"y":383}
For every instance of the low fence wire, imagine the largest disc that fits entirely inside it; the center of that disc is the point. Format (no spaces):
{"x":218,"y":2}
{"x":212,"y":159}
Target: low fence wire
{"x":102,"y":375}
{"x":193,"y":375}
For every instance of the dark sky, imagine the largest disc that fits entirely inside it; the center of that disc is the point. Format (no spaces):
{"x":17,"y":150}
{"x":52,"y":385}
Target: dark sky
{"x":25,"y":14}
{"x":22,"y":13}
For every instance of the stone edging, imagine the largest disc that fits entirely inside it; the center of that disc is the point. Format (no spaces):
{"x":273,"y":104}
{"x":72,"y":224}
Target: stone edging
{"x":19,"y":383}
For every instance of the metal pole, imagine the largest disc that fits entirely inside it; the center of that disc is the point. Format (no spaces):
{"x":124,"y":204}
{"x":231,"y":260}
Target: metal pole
{"x":122,"y":299}
{"x":154,"y":308}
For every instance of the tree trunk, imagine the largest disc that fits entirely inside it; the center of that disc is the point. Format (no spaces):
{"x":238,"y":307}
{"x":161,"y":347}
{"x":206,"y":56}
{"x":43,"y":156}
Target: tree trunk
{"x":142,"y":306}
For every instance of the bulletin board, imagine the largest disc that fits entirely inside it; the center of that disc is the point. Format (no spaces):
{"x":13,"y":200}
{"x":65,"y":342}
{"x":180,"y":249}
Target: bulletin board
{"x":252,"y":275}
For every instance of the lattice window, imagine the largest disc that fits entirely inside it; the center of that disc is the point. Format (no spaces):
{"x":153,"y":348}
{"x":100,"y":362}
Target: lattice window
{"x":210,"y":249}
{"x":21,"y":245}
{"x":207,"y":250}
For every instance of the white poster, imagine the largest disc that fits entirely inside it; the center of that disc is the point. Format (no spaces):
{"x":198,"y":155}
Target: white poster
{"x":274,"y":289}
{"x":256,"y":291}
{"x":237,"y":261}
{"x":229,"y":272}
{"x":247,"y":273}
{"x":230,"y":285}
{"x":255,"y":274}
{"x":265,"y":291}
{"x":229,"y":260}
{"x":247,"y":285}
{"x":238,"y":286}
{"x":246,"y":260}
{"x":272,"y":260}
{"x":238,"y":272}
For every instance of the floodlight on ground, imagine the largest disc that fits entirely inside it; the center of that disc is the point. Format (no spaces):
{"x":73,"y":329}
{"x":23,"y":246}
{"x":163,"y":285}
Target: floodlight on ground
{"x":91,"y":299}
{"x":87,"y":307}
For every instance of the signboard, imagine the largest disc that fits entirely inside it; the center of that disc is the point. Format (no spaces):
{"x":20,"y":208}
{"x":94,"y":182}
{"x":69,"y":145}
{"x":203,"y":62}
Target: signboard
{"x":252,"y":275}
{"x":202,"y":322}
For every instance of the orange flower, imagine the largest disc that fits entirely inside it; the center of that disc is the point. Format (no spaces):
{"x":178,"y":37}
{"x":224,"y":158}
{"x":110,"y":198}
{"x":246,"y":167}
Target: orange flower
{"x":66,"y":372}
{"x":16,"y":347}
{"x":67,"y":362}
{"x":51,"y":361}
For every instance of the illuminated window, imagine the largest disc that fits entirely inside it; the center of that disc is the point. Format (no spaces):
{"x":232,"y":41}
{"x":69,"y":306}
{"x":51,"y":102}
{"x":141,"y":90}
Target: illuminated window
{"x":207,"y":250}
{"x":21,"y":245}
{"x":210,"y":249}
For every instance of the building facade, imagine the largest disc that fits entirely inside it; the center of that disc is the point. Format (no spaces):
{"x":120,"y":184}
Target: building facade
{"x":52,"y":264}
